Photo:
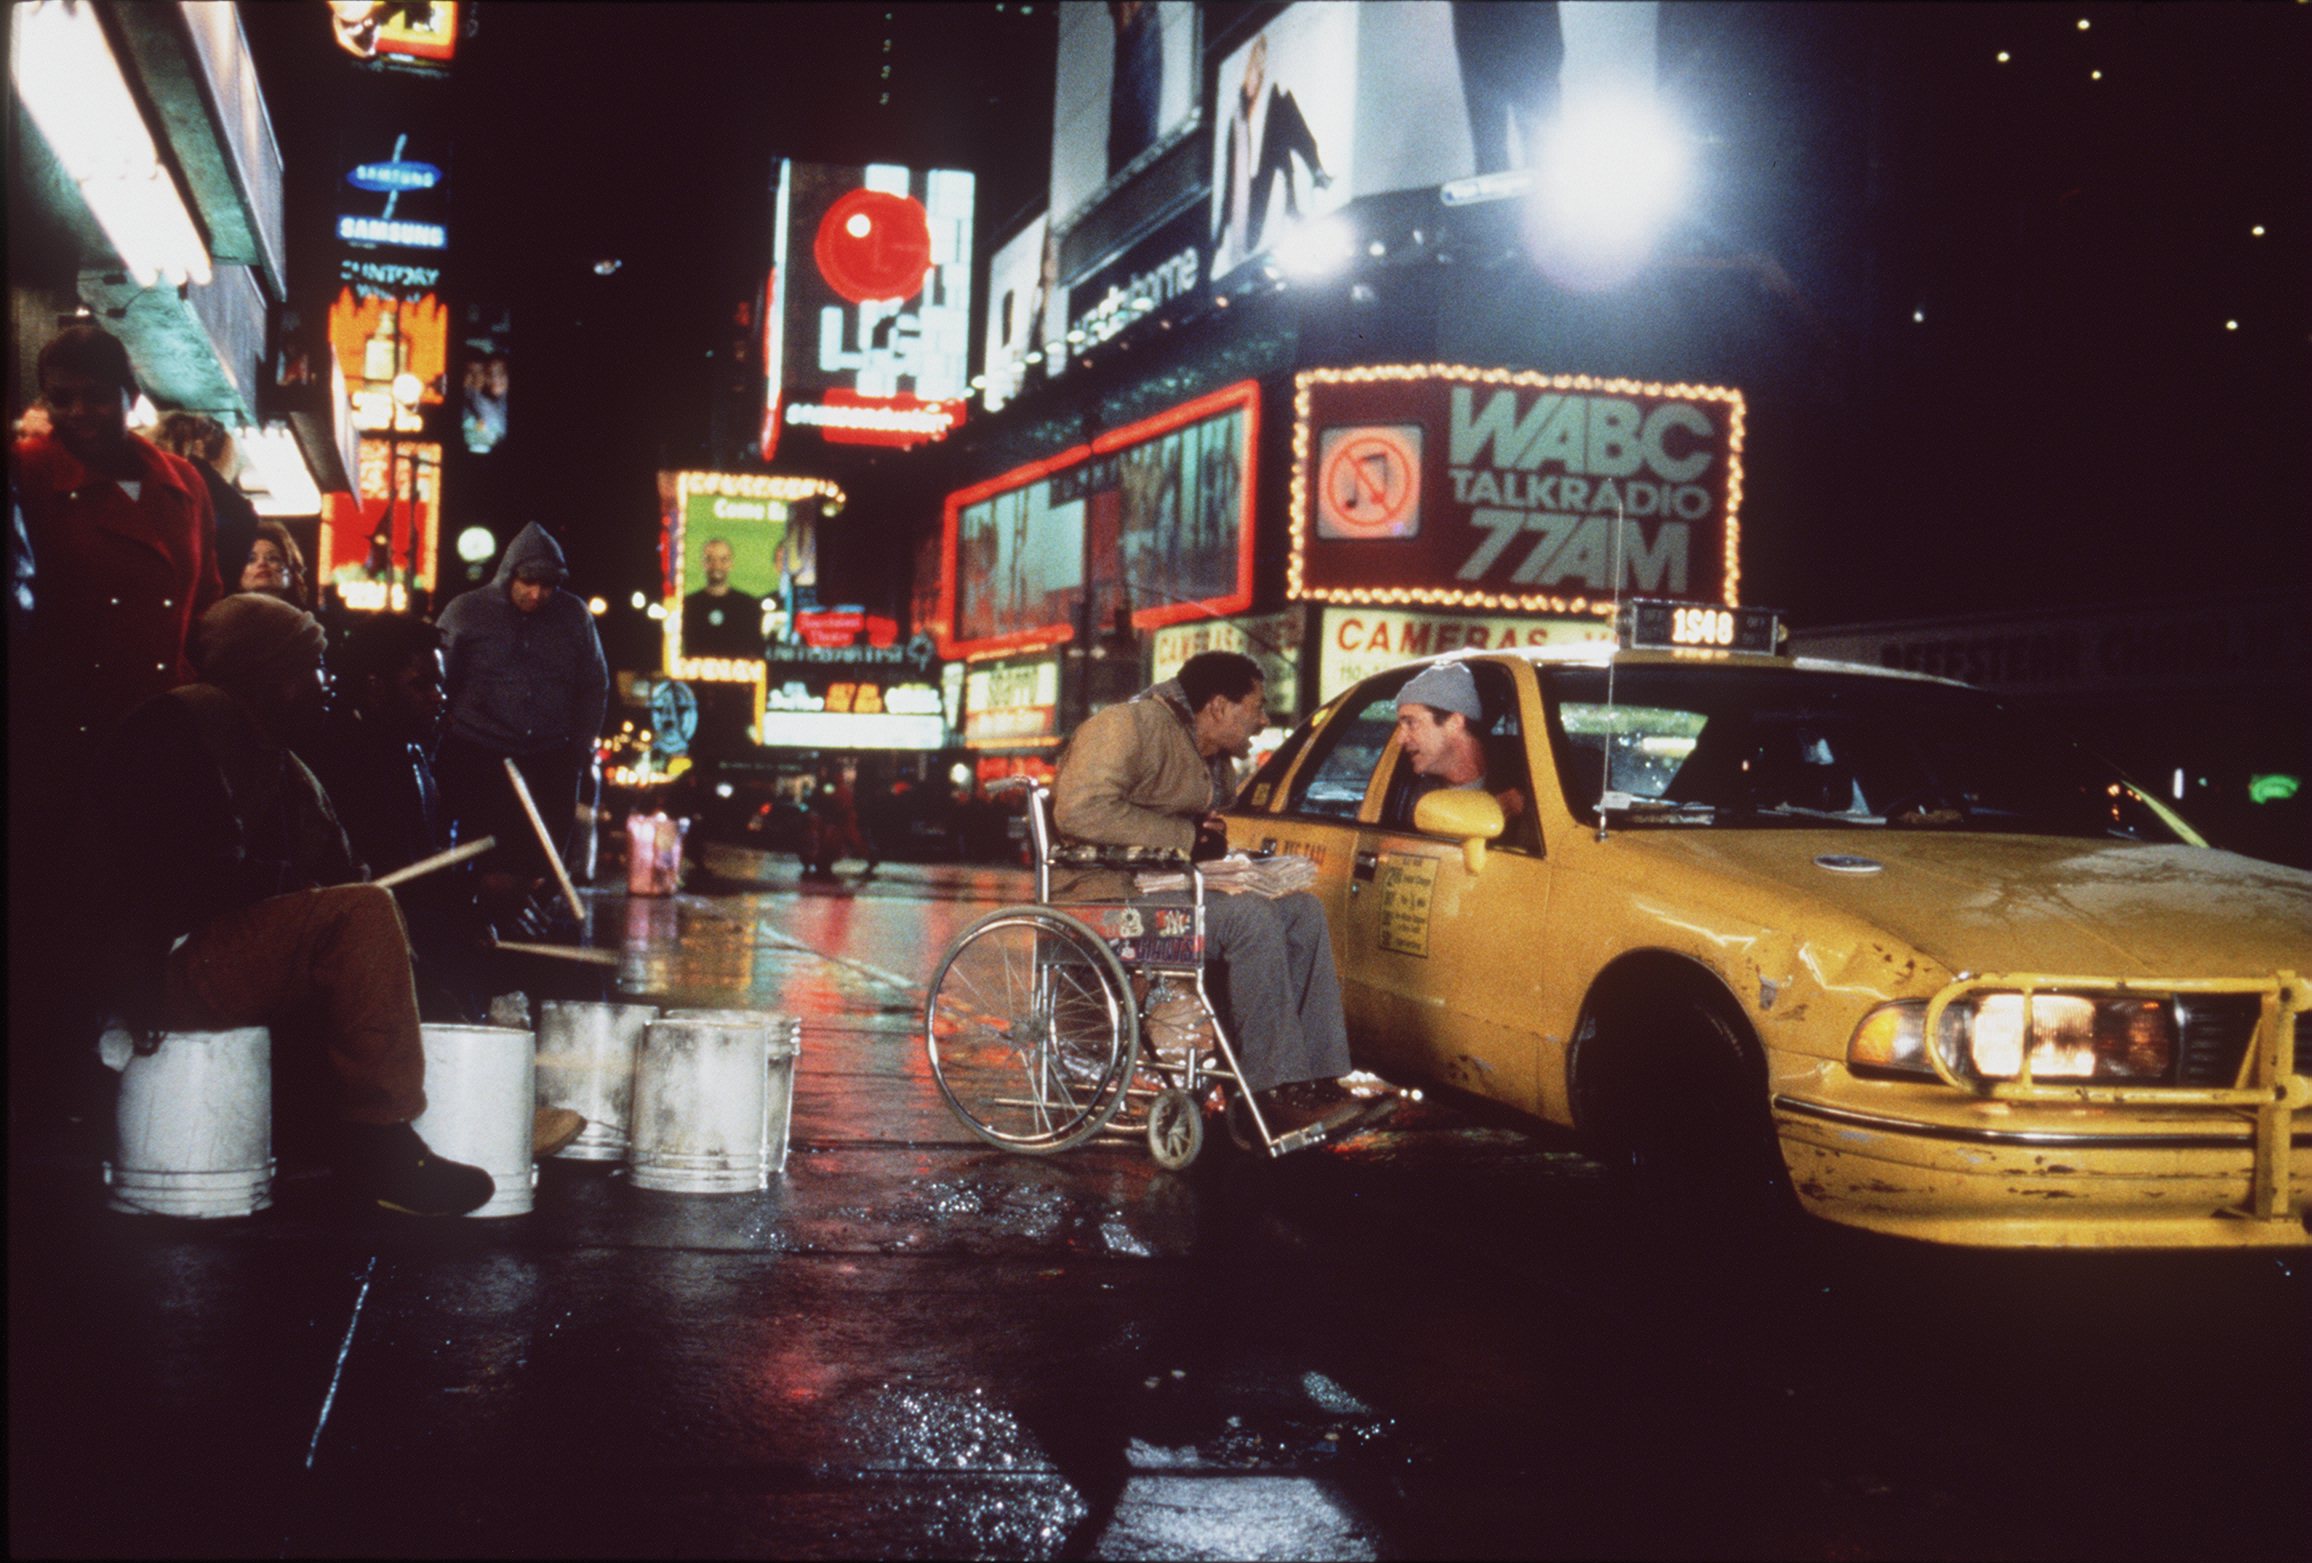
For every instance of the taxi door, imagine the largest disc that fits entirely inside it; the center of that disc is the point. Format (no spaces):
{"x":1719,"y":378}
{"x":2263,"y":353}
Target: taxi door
{"x":1441,"y":968}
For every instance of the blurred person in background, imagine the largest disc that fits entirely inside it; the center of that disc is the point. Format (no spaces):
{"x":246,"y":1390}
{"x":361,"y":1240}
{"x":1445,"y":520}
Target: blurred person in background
{"x":208,"y":446}
{"x":276,"y":567}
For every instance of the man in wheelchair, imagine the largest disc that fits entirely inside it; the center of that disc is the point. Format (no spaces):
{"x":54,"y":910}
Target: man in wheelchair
{"x":1154,"y":772}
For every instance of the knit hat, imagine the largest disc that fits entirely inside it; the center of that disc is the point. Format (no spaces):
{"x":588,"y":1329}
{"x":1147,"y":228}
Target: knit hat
{"x":1444,"y":686}
{"x":251,"y":639}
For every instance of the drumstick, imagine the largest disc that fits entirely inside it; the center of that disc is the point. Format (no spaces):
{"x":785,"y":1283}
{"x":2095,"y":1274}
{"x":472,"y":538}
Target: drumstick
{"x":553,"y":858}
{"x":559,"y":951}
{"x":438,"y":860}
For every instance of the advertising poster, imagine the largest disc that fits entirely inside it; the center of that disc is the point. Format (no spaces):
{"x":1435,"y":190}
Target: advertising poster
{"x":1501,"y":489}
{"x":1325,"y":104}
{"x":386,"y":535}
{"x":1152,"y":520}
{"x":1019,"y":296}
{"x":486,"y":383}
{"x":1332,"y":102}
{"x":1124,"y":89}
{"x":737,"y":546}
{"x":379,"y":339}
{"x":870,"y":309}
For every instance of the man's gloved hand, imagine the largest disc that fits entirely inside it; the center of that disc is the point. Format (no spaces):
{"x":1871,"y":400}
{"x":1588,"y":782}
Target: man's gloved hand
{"x":1211,"y":840}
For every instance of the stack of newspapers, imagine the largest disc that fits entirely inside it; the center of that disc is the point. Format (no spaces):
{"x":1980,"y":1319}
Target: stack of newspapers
{"x":1269,"y":876}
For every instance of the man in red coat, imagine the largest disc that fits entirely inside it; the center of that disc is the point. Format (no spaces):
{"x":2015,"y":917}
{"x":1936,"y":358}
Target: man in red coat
{"x":122,"y":540}
{"x":121,"y":533}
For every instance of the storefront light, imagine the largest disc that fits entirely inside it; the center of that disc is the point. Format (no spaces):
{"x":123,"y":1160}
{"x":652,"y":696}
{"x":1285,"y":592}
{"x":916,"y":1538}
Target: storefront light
{"x":72,"y":86}
{"x":274,"y":473}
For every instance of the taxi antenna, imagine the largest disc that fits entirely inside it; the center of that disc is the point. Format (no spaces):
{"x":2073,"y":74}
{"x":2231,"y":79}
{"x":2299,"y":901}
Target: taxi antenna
{"x":1606,"y":749}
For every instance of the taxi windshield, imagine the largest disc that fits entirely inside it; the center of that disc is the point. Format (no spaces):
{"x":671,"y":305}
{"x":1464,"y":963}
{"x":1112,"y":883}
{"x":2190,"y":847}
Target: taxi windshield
{"x":1729,"y":745}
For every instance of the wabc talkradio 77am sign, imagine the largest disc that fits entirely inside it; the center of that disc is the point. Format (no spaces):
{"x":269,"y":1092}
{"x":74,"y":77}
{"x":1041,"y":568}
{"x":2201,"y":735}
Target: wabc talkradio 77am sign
{"x":1505,"y":489}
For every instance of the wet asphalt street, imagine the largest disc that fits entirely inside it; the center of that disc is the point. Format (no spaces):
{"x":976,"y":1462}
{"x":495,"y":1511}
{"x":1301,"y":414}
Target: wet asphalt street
{"x":1445,"y":1339}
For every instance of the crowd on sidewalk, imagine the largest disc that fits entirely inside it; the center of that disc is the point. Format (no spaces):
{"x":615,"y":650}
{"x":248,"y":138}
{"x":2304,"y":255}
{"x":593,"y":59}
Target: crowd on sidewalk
{"x":203,"y":789}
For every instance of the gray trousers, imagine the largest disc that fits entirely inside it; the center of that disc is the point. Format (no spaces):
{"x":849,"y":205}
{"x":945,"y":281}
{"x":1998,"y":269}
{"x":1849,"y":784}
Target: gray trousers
{"x":1282,"y":997}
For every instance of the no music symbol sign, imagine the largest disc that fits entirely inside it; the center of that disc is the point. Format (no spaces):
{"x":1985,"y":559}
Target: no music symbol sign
{"x":1369,"y":482}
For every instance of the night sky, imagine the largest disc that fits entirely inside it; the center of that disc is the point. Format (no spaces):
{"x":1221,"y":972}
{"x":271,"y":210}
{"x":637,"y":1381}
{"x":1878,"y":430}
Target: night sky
{"x":2008,"y":283}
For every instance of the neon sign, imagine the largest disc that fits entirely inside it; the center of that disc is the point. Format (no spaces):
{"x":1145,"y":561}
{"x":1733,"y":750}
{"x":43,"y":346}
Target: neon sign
{"x":396,"y":175}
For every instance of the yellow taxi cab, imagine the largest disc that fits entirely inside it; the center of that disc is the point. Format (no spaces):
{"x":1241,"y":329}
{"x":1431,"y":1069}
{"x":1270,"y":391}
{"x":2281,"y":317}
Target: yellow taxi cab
{"x":1750,"y":922}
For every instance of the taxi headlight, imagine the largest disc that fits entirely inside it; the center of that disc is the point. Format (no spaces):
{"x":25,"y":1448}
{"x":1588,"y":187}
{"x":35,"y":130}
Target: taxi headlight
{"x":2073,"y":1037}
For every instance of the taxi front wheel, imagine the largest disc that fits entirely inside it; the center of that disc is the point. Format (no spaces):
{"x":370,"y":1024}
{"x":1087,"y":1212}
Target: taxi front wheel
{"x":1670,"y":1100}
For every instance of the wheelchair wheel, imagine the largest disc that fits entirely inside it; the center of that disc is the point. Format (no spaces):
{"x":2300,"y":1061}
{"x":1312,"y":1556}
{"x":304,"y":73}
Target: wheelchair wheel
{"x":1175,"y":1128}
{"x":1030,"y":1030}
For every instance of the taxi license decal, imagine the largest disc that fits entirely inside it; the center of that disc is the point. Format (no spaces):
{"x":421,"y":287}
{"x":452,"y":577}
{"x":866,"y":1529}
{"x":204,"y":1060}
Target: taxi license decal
{"x":1407,"y":885}
{"x":1260,"y":795}
{"x":1314,"y":851}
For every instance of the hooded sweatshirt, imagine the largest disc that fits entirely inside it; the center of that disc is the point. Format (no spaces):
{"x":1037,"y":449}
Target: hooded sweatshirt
{"x":523,"y":683}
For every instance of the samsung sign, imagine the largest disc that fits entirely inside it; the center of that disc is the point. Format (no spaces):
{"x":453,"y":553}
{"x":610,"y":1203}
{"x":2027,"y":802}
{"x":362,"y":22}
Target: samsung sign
{"x":392,"y":230}
{"x":395,"y":176}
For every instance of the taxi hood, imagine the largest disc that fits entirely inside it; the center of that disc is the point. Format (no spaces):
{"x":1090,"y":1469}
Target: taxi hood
{"x":1990,"y":903}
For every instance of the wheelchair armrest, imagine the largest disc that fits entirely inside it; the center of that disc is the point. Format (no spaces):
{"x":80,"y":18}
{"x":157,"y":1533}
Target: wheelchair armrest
{"x":1082,"y":856}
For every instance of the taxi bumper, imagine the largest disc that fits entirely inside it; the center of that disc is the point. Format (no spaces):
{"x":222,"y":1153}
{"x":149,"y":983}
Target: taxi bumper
{"x":1983,"y":1174}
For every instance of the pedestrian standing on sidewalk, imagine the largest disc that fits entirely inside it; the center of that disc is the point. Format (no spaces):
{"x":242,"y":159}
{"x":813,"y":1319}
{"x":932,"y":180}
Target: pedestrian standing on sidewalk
{"x":527,"y":683}
{"x":207,"y":446}
{"x":234,"y":903}
{"x":124,"y":538}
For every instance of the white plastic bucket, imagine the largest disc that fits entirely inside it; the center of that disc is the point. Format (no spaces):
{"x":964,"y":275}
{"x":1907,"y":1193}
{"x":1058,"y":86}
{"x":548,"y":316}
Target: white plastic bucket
{"x":713,"y":1095}
{"x":586,"y":1055}
{"x":481,"y":1106}
{"x":194,"y":1124}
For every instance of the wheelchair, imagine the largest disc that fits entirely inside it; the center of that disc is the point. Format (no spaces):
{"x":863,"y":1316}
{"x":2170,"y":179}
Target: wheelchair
{"x":1046,"y":1025}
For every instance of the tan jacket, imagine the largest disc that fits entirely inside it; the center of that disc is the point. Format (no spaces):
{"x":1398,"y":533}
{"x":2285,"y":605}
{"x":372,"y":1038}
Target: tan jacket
{"x":1131,"y":778}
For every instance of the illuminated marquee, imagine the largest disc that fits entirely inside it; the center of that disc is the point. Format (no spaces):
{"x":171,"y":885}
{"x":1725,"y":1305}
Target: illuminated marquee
{"x":1156,"y":515}
{"x":1512,"y":490}
{"x":867,"y":329}
{"x":1012,"y":705}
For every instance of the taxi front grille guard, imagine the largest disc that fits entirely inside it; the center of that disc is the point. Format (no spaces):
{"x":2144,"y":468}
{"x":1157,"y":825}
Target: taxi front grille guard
{"x":2274,"y":1090}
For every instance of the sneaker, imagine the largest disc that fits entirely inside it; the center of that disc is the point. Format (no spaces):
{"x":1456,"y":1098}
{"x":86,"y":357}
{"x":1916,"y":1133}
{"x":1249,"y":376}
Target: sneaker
{"x":553,"y":1129}
{"x":389,"y":1166}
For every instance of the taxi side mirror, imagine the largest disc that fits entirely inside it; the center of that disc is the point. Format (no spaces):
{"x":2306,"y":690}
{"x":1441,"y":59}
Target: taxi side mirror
{"x":1471,"y":814}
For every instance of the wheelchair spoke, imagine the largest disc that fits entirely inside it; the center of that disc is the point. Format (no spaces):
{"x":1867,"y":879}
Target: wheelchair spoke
{"x":1028,"y":1031}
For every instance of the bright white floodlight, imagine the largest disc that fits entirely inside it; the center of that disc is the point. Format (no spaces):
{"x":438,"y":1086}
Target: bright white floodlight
{"x":1611,"y":173}
{"x":1315,"y":249}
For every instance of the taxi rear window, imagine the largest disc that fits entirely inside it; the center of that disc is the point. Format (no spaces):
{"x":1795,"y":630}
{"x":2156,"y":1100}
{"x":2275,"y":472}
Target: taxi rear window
{"x":1731,"y":746}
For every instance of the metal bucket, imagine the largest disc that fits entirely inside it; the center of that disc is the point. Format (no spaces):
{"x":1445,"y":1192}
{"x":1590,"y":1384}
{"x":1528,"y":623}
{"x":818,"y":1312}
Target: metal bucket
{"x":786,"y":1047}
{"x":481,"y":1106}
{"x":713,"y":1095}
{"x":194,"y":1124}
{"x":586,"y":1056}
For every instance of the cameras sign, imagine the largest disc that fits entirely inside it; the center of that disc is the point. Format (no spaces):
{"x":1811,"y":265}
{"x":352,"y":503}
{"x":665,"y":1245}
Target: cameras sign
{"x":1492,"y":488}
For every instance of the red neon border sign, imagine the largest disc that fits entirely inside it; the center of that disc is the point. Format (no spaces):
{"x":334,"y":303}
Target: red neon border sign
{"x":1244,"y":394}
